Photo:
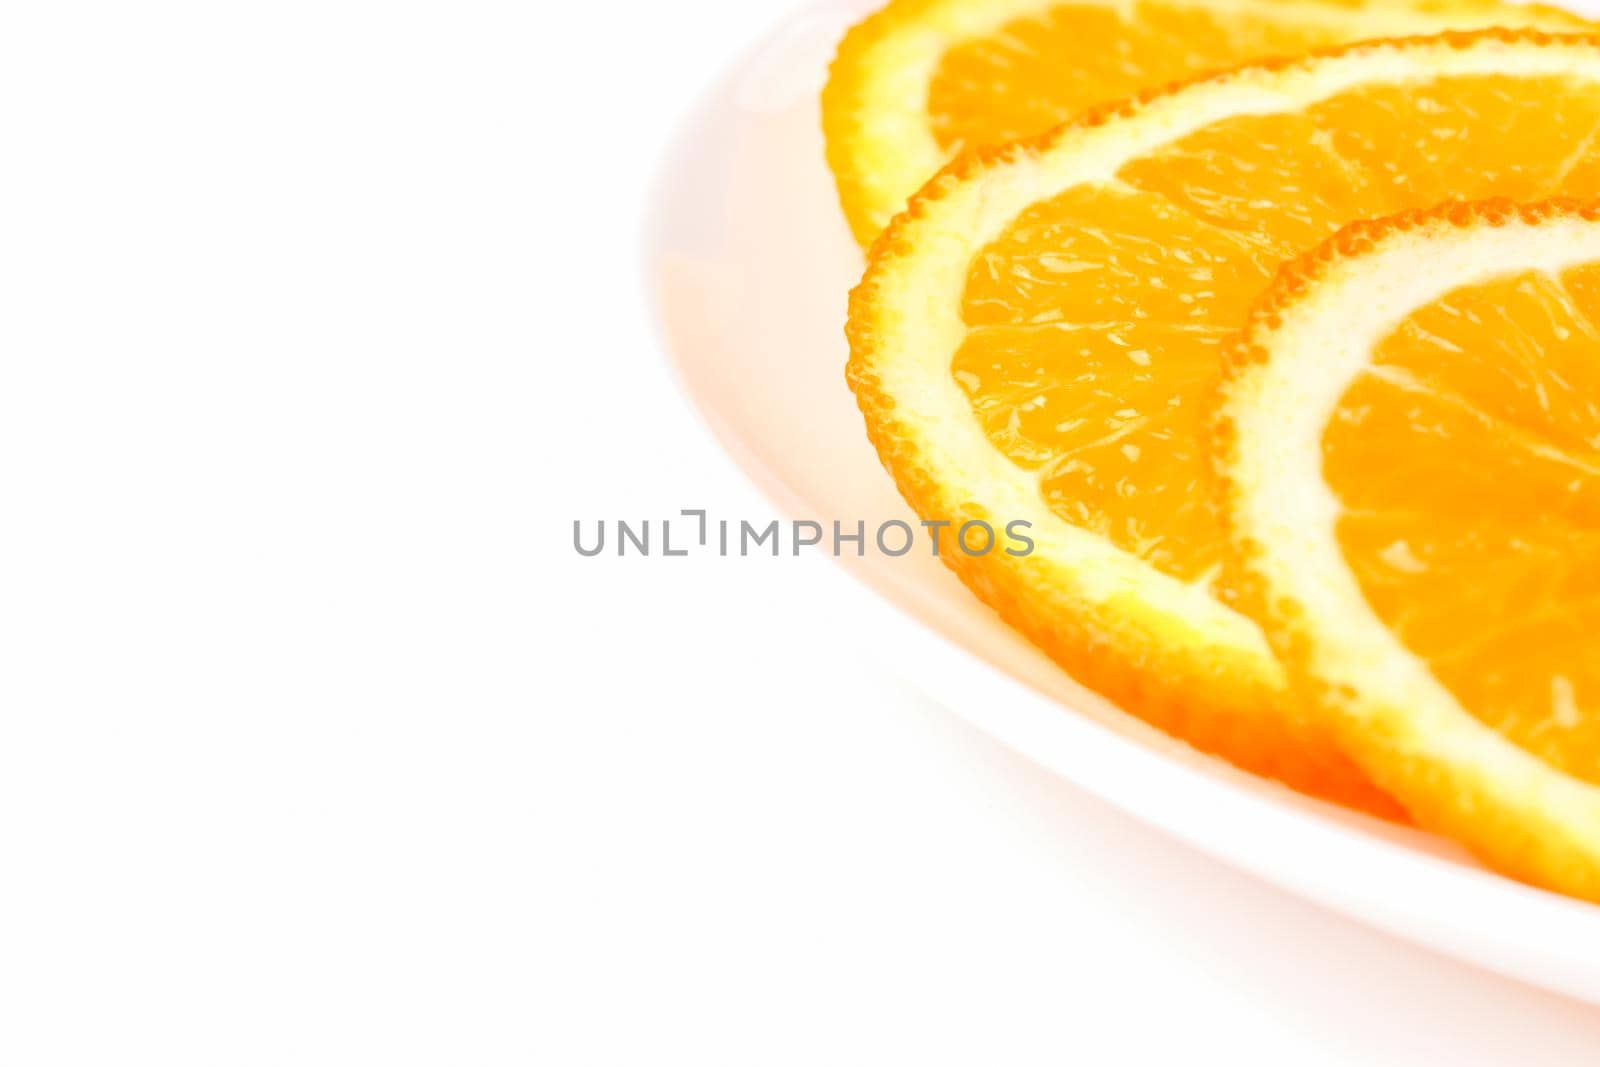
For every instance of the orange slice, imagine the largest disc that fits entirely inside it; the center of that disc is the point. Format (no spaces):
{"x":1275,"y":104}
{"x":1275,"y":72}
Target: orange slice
{"x":1410,"y":443}
{"x":920,"y":80}
{"x":1039,"y":337}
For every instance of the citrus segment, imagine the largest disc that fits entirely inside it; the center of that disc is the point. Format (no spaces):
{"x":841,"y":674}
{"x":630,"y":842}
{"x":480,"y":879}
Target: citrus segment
{"x":1043,"y":68}
{"x":1465,"y":461}
{"x":921,"y":80}
{"x":1411,"y":460}
{"x":1040,"y":335}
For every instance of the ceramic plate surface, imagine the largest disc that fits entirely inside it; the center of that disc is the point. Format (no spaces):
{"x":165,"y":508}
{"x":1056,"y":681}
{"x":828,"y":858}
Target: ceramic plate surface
{"x":750,"y":265}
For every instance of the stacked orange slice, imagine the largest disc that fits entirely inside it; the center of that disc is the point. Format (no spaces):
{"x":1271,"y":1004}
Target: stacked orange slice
{"x":921,"y":80}
{"x":1410,"y":450}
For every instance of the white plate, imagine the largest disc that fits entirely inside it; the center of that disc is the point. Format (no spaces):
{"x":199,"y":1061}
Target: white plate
{"x":751,"y":263}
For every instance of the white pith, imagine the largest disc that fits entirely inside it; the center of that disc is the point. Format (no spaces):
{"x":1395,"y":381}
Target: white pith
{"x":1280,"y":409}
{"x":918,"y":324}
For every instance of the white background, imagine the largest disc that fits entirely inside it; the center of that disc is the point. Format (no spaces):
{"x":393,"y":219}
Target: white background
{"x":319,"y":324}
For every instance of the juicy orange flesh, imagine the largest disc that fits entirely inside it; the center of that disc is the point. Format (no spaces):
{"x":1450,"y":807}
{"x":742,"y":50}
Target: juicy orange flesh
{"x":1468,"y":463}
{"x":1096,"y":319}
{"x":1045,"y":68}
